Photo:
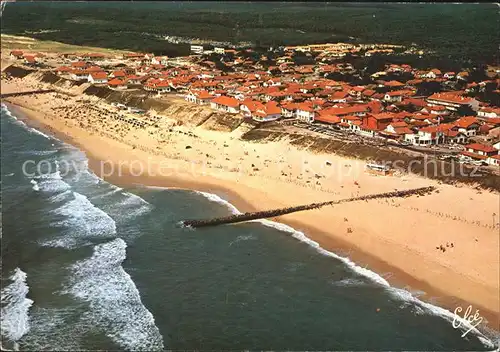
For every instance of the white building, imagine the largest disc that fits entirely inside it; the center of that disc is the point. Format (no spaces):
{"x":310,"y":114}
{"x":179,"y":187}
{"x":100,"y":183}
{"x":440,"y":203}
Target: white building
{"x":97,"y":78}
{"x":197,"y":49}
{"x":452,"y":101}
{"x":305,"y":114}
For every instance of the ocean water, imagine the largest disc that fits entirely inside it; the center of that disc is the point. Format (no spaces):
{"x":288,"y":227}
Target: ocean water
{"x":89,"y":265}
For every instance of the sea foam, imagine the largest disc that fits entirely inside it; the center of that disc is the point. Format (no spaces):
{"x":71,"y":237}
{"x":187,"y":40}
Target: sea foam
{"x":115,"y":302}
{"x":15,"y":307}
{"x":35,"y":187}
{"x":83,"y":220}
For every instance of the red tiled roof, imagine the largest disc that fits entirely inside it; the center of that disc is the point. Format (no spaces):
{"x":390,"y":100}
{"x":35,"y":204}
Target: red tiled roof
{"x":383,"y":116}
{"x":494,"y":120}
{"x":481,"y":147}
{"x":30,"y":58}
{"x":99,"y":75}
{"x":348,"y":110}
{"x":203,"y":94}
{"x":402,"y":130}
{"x":118,"y":73}
{"x":94,"y":69}
{"x":272,"y":108}
{"x":474,"y":155}
{"x":399,"y":124}
{"x":437,"y":108}
{"x":450,"y":97}
{"x":466,"y":121}
{"x":322,"y":117}
{"x":400,"y":92}
{"x":226,"y":101}
{"x":116,"y":82}
{"x":78,"y":64}
{"x":393,"y":84}
{"x":63,"y":69}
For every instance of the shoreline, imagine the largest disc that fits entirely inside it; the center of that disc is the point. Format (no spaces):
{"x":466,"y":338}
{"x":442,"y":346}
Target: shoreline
{"x":328,"y":241}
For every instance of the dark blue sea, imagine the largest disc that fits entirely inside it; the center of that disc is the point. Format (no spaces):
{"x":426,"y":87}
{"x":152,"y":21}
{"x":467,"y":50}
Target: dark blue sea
{"x":87,"y":265}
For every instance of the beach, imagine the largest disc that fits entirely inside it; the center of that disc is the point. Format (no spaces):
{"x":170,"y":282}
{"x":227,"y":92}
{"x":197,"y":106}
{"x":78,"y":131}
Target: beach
{"x":396,"y":237}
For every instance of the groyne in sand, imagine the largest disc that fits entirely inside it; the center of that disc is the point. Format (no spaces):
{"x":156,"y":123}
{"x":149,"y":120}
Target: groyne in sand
{"x":278,"y":212}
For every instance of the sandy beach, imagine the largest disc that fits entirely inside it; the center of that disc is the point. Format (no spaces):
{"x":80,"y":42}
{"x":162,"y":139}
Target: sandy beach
{"x":398,"y":239}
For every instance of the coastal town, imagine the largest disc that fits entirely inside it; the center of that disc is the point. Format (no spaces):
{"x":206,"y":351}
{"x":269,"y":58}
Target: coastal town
{"x":306,"y":86}
{"x":309,"y":126}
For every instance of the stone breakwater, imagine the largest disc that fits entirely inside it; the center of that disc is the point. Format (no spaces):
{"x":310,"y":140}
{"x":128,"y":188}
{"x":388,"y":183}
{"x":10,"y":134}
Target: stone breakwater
{"x":278,"y":212}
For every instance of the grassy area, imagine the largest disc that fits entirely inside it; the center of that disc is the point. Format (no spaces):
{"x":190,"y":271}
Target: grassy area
{"x":11,"y":42}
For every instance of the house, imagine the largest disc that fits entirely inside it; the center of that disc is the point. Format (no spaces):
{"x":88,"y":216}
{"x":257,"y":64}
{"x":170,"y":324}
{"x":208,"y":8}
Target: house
{"x":163,"y":86}
{"x":437,"y":110}
{"x":356,"y":110}
{"x":305,"y":112}
{"x":397,"y":130}
{"x":436,"y":134}
{"x":16,"y":54}
{"x":134,"y":79}
{"x":63,"y":70}
{"x":339,"y":97}
{"x":481,"y":152}
{"x":268,"y":112}
{"x":497,"y":145}
{"x":93,"y":69}
{"x":78,"y":75}
{"x":117,"y":74}
{"x":398,"y":95}
{"x":289,"y":110}
{"x":79,"y":65}
{"x":377,"y":122}
{"x":493,"y":160}
{"x":219,"y":50}
{"x":201,"y":97}
{"x":454,"y":136}
{"x":117,"y":83}
{"x":428,"y":135}
{"x":324,"y":117}
{"x":159,"y":60}
{"x":250,"y":106}
{"x":489,"y":112}
{"x":225,"y":104}
{"x":452,"y":101}
{"x":434,"y":73}
{"x":468,"y":125}
{"x":30,"y":59}
{"x":351,"y":122}
{"x":393,"y":85}
{"x":97,"y":77}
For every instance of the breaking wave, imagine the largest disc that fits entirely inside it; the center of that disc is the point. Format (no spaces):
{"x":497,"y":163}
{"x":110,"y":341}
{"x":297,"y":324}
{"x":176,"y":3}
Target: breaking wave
{"x":114,"y":300}
{"x":35,"y":187}
{"x":15,"y":307}
{"x":83,"y":221}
